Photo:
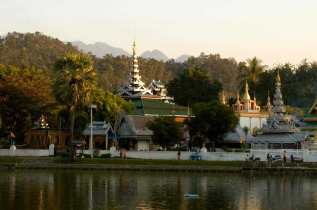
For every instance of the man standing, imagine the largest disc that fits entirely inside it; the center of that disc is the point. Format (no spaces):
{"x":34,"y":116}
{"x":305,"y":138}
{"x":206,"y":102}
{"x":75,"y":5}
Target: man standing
{"x":284,"y":156}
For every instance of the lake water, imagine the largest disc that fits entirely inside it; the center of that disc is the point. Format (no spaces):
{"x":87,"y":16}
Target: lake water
{"x":42,"y":189}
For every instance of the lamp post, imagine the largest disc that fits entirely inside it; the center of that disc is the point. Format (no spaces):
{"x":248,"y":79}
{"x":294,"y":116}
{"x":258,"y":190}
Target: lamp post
{"x":91,"y":106}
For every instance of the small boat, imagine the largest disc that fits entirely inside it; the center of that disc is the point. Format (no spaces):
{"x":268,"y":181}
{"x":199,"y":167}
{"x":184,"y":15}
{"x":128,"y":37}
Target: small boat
{"x":191,"y":195}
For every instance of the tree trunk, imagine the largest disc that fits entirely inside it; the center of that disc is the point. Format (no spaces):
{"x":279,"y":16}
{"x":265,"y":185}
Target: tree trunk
{"x":71,"y":149}
{"x":213,"y":146}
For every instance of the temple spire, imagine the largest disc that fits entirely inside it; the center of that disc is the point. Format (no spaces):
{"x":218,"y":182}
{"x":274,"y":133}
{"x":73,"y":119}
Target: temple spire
{"x":223,"y":98}
{"x":246,"y":94}
{"x":134,"y":52}
{"x":268,"y":98}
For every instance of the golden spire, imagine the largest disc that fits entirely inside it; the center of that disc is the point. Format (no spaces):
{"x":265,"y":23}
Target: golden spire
{"x":278,"y":79}
{"x":246,"y":94}
{"x":254,"y":97}
{"x":134,"y":47}
{"x":268,"y":98}
{"x":223,"y":97}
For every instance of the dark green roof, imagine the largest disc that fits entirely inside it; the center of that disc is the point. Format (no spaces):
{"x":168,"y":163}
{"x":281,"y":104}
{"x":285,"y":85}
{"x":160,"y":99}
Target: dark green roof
{"x":152,"y":107}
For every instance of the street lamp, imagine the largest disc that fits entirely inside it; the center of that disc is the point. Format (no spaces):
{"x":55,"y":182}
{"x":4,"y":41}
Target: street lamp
{"x":91,"y":106}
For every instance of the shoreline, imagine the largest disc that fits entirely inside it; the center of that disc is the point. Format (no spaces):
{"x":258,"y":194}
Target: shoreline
{"x":160,"y":168}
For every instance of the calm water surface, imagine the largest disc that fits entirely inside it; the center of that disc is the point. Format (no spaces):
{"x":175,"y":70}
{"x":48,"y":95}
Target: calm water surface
{"x":41,"y":189}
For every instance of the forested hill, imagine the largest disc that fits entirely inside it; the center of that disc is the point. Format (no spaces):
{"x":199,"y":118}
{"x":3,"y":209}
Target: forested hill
{"x":40,"y":51}
{"x":32,"y":49}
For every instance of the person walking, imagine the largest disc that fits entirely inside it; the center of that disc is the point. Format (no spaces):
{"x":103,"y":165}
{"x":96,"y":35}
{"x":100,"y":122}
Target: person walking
{"x":179,"y":155}
{"x":124,"y":153}
{"x":284,"y":156}
{"x":121,"y":152}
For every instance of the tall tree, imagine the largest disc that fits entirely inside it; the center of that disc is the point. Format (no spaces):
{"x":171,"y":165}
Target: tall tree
{"x":25,"y":94}
{"x":166,"y":131}
{"x":212,"y":120}
{"x":75,"y":79}
{"x":193,"y":86}
{"x":250,"y":73}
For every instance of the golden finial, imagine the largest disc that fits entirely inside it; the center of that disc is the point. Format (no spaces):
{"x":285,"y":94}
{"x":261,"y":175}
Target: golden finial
{"x":223,"y":97}
{"x":188,"y":112}
{"x":268,"y":98}
{"x":278,"y":79}
{"x":134,"y":47}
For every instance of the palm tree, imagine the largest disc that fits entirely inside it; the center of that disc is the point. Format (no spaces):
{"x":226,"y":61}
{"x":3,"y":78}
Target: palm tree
{"x":250,"y":72}
{"x":74,"y":80}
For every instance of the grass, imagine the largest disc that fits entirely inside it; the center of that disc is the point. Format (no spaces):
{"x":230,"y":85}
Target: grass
{"x":11,"y":160}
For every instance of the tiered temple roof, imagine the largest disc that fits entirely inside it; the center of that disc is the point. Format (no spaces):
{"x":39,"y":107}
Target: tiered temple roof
{"x":246,"y":104}
{"x":134,"y":88}
{"x":279,"y":128}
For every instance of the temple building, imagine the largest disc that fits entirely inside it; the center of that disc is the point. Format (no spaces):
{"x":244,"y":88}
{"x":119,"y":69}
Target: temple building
{"x":309,"y":126}
{"x":279,"y":131}
{"x":249,"y":112}
{"x":149,"y":102}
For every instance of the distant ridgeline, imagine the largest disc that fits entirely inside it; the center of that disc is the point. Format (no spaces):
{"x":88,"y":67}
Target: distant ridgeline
{"x":40,"y":51}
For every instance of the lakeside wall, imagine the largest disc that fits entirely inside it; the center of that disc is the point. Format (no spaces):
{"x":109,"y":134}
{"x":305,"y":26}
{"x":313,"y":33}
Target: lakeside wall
{"x":305,"y":155}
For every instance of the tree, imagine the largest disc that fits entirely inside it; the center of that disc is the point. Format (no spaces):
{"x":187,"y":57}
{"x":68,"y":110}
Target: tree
{"x":166,"y":131}
{"x":75,"y":79}
{"x":25,"y":94}
{"x":250,"y":73}
{"x":193,"y":86}
{"x":212,"y":120}
{"x":110,"y":105}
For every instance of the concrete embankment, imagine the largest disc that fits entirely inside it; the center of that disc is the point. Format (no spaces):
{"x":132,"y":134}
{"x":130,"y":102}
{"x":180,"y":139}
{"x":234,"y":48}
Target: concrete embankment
{"x":218,"y":169}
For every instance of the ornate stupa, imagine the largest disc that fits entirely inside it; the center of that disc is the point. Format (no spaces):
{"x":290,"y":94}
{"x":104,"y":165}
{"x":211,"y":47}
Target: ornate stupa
{"x":246,"y":104}
{"x":278,"y":99}
{"x":279,"y":131}
{"x":267,"y":108}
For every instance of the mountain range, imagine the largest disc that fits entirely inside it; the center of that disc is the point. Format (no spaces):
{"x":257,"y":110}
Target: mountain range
{"x":100,"y":49}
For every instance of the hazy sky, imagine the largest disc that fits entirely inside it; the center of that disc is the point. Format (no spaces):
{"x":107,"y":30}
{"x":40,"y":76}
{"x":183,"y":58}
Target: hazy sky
{"x":276,"y":31}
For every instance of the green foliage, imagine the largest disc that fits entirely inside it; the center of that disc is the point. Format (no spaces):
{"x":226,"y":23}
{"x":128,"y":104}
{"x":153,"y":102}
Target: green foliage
{"x":109,"y":105}
{"x":297,"y":112}
{"x":250,"y":73}
{"x":25,"y":94}
{"x":75,"y":80}
{"x":229,"y":150}
{"x":65,"y":154}
{"x":212,"y":120}
{"x":166,"y":131}
{"x":193,"y":86}
{"x":32,"y":49}
{"x":108,"y":155}
{"x":4,"y":142}
{"x":245,"y":130}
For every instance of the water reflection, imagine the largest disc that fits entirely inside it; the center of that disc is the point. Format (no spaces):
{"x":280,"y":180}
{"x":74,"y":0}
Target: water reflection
{"x":28,"y":189}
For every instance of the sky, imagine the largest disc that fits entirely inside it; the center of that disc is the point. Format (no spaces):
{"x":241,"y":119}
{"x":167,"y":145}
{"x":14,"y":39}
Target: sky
{"x":275,"y":31}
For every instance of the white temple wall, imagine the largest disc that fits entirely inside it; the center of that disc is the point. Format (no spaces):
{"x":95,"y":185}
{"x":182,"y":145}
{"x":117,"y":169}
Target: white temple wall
{"x":251,"y":122}
{"x":143,"y":145}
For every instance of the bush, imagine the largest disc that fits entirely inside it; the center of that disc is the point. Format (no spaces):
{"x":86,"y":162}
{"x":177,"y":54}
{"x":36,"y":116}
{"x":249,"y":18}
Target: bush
{"x":65,"y":154}
{"x":108,"y":155}
{"x":4,"y":142}
{"x":87,"y":155}
{"x":239,"y":150}
{"x":229,"y":150}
